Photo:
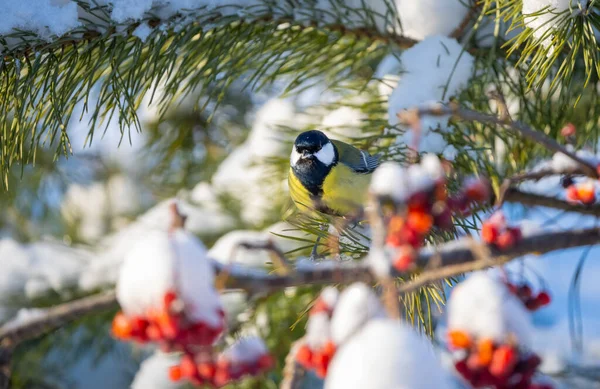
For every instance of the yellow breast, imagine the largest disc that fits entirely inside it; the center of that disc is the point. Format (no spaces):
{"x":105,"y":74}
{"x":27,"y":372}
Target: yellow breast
{"x":343,"y":190}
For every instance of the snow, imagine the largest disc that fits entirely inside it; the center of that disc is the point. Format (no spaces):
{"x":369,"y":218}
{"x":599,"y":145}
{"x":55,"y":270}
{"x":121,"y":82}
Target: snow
{"x":245,"y":177}
{"x":227,"y":245}
{"x":46,"y":18}
{"x":542,"y":23}
{"x":424,"y":18}
{"x":23,"y":316}
{"x":154,"y":372}
{"x":386,"y":354}
{"x":390,"y":179}
{"x":484,"y":308}
{"x":435,"y":69}
{"x":142,"y":31}
{"x":103,"y":270}
{"x":330,"y":296}
{"x":162,"y":262}
{"x":399,"y":183}
{"x":357,"y":305}
{"x":90,"y":207}
{"x":318,"y":330}
{"x":33,"y":270}
{"x":344,"y":123}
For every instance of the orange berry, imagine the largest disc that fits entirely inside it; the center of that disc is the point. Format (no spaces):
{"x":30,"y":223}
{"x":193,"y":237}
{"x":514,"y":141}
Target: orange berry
{"x":489,"y":233}
{"x":175,"y":373}
{"x":459,"y":339}
{"x":404,"y":259}
{"x":153,"y":332}
{"x":395,"y":225}
{"x":503,"y":361}
{"x":505,"y":240}
{"x":188,"y":367}
{"x":121,"y":326}
{"x":329,"y":348}
{"x":207,"y":370}
{"x":485,"y":351}
{"x":420,"y":222}
{"x":586,"y":192}
{"x":304,"y":356}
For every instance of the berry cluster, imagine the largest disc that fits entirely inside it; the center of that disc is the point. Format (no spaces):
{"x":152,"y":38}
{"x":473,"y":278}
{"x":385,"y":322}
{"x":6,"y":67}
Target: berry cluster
{"x":427,"y":208}
{"x":485,"y":363}
{"x":495,"y":231}
{"x":524,"y":293}
{"x":202,"y":369}
{"x":167,"y":326}
{"x":317,"y":352}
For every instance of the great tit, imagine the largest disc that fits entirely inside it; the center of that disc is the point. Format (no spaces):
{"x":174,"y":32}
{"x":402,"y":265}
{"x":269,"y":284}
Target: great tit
{"x":328,"y":175}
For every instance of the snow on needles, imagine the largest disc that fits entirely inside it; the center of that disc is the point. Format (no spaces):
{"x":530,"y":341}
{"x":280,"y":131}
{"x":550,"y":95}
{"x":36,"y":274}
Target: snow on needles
{"x":435,"y":69}
{"x":424,"y":18}
{"x":484,"y":308}
{"x":154,"y":372}
{"x":386,"y":354}
{"x":549,"y":18}
{"x":43,"y":17}
{"x":162,"y":262}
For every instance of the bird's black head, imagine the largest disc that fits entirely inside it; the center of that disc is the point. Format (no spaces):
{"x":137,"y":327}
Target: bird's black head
{"x":312,"y":158}
{"x":310,"y":142}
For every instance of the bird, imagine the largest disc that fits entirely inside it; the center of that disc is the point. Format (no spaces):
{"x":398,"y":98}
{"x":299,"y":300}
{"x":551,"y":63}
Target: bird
{"x":329,"y":175}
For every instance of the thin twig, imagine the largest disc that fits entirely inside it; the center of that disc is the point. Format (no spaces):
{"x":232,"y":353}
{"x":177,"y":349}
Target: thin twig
{"x":513,"y":195}
{"x":516,"y":126}
{"x":293,"y":372}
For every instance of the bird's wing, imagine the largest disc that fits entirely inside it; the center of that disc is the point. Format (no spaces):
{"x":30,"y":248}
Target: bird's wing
{"x":357,"y":160}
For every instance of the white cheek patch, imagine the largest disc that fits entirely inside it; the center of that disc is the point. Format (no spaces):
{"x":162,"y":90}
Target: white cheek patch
{"x":326,"y":155}
{"x":294,"y":157}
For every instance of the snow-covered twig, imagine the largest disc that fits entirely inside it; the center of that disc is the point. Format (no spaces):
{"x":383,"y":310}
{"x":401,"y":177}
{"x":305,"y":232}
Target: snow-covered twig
{"x":530,"y":199}
{"x":516,"y":126}
{"x":450,"y":259}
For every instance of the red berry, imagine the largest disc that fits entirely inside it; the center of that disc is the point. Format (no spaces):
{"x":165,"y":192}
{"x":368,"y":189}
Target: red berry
{"x":168,"y":299}
{"x":571,"y":194}
{"x":524,"y":292}
{"x":503,"y":361}
{"x":207,"y":370}
{"x":405,"y":258}
{"x":266,"y":362}
{"x":420,"y":222}
{"x":505,"y":240}
{"x":304,"y":356}
{"x":477,"y":190}
{"x":489,"y":233}
{"x":543,"y":298}
{"x":121,"y":326}
{"x":516,"y":233}
{"x":175,"y":373}
{"x":188,"y":367}
{"x":568,"y":130}
{"x":153,"y":332}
